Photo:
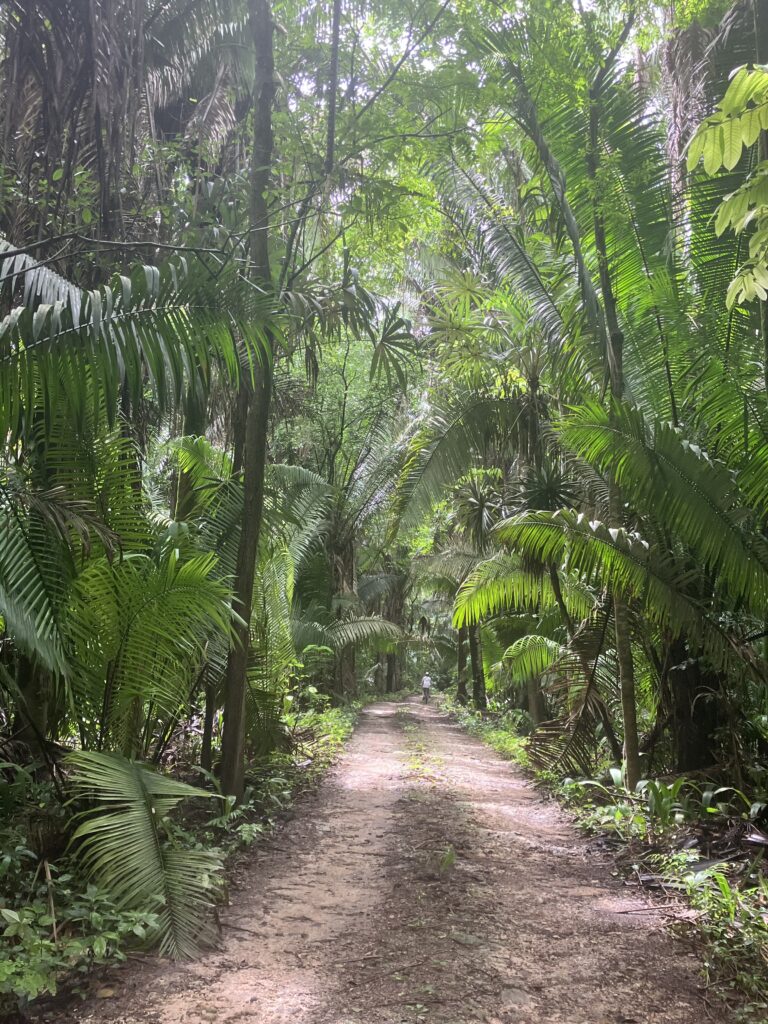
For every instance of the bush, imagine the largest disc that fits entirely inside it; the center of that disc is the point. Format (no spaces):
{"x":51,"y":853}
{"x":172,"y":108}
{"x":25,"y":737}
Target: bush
{"x":60,"y":934}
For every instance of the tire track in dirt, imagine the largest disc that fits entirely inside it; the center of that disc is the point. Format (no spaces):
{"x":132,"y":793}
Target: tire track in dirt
{"x":425,"y":881}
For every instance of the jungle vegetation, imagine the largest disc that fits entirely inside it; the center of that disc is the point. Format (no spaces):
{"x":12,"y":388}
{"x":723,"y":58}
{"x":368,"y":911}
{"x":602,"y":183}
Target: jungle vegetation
{"x":344,"y":339}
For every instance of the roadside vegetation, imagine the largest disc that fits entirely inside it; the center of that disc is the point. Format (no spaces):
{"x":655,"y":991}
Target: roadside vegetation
{"x":340,"y":341}
{"x":63,"y":923}
{"x":687,"y":843}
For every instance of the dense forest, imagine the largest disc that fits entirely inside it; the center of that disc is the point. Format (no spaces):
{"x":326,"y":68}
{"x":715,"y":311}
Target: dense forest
{"x":343,"y":341}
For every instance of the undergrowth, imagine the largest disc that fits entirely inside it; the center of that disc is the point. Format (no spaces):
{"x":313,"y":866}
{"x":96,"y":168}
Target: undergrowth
{"x":57,"y":927}
{"x":678,"y":837}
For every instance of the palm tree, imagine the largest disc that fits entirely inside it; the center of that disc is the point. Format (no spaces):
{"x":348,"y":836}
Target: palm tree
{"x":621,"y":308}
{"x":70,"y":476}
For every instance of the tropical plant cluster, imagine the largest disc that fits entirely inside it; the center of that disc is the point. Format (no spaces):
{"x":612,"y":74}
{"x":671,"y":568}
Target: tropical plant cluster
{"x":340,"y":341}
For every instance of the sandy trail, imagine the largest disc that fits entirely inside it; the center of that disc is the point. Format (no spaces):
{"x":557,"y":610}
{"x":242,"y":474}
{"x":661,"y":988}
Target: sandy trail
{"x":424,"y":881}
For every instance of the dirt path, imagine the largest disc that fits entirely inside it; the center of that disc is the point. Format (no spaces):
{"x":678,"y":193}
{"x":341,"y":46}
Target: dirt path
{"x":424,"y":881}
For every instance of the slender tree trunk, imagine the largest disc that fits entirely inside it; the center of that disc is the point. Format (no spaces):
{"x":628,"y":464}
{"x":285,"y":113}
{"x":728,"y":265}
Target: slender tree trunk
{"x":345,"y":583}
{"x":603,"y":321}
{"x":394,"y":611}
{"x":233,"y":735}
{"x":628,"y":702}
{"x":461,"y":690}
{"x":333,"y":88}
{"x":479,"y":698}
{"x":31,"y":721}
{"x":380,"y":673}
{"x":206,"y":749}
{"x":255,"y":408}
{"x":346,"y":672}
{"x":614,"y":345}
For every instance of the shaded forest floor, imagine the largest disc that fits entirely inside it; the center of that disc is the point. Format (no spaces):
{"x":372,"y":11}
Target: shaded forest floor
{"x":425,"y":880}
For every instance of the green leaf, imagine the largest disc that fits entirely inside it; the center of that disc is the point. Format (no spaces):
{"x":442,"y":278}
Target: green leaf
{"x":123,"y":844}
{"x":696,"y":148}
{"x":714,"y":146}
{"x":531,"y":656}
{"x":750,"y":126}
{"x":732,"y":143}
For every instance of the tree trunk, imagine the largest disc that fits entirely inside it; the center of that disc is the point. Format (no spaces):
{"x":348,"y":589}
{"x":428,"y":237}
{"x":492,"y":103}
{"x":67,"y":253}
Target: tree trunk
{"x":394,"y":611}
{"x":479,"y":698}
{"x":235,"y":684}
{"x":695,"y":713}
{"x":345,"y":584}
{"x":394,"y":675}
{"x":605,"y":324}
{"x":206,"y":750}
{"x":255,"y":409}
{"x":614,"y":352}
{"x":333,"y":88}
{"x":380,"y":673}
{"x":346,"y":673}
{"x":628,"y":704}
{"x":461,"y":689}
{"x":31,"y":720}
{"x":537,"y":706}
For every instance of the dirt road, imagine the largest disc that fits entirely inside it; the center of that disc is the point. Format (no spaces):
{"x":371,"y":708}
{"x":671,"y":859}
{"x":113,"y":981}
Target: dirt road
{"x":424,"y":881}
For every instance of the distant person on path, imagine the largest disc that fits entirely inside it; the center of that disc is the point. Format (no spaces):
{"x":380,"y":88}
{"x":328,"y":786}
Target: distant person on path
{"x":426,"y":686}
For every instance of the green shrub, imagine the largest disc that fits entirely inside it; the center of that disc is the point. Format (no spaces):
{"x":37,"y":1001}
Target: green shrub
{"x":60,"y":935}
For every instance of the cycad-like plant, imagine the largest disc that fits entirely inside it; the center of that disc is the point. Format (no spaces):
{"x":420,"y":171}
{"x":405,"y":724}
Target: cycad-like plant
{"x":126,"y":843}
{"x":137,"y":629}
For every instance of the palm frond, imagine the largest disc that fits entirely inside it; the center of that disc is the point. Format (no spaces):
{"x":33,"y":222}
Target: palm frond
{"x":622,"y":561}
{"x":448,"y":446}
{"x":125,"y":843}
{"x":137,"y":630}
{"x":503,"y":584}
{"x":531,"y":656}
{"x":172,"y":324}
{"x":33,"y":580}
{"x":696,"y":498}
{"x":345,"y":632}
{"x":37,"y":283}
